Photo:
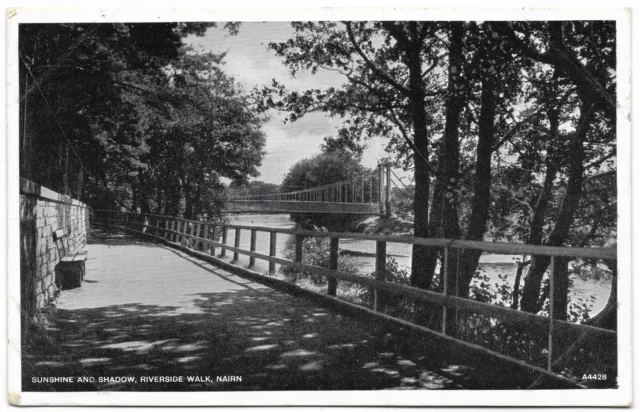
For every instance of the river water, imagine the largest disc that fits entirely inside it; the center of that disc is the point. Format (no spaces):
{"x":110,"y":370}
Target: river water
{"x":491,"y":265}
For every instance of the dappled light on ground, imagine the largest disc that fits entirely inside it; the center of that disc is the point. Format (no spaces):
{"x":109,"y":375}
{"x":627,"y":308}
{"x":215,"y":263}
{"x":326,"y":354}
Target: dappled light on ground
{"x":152,"y":311}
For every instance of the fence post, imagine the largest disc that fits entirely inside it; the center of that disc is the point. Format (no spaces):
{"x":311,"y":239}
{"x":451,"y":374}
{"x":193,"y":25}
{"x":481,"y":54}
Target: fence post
{"x":212,"y":252}
{"x":223,"y":251}
{"x":174,"y":227}
{"x":298,"y":250}
{"x":445,"y":289}
{"x":198,"y":242}
{"x":272,"y":251}
{"x":182,"y":230}
{"x":191,"y":229}
{"x":551,"y":309}
{"x":236,"y":244}
{"x":333,"y":265}
{"x":179,"y":230}
{"x":205,"y":235}
{"x":381,"y":269}
{"x":252,"y":248}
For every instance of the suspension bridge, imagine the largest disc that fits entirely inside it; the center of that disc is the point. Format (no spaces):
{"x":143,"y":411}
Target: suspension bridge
{"x":366,"y":194}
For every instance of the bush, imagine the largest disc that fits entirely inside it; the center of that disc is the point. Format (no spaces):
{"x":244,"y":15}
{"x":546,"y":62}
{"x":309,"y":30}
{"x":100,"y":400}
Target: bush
{"x":315,"y":252}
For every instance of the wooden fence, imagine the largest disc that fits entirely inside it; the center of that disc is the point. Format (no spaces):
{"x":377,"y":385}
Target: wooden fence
{"x":199,"y":235}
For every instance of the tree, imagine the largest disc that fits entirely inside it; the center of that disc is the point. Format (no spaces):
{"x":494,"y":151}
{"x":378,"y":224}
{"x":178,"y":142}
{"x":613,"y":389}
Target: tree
{"x":152,"y":125}
{"x":75,"y":97}
{"x":385,"y":65}
{"x":214,"y":132}
{"x":396,"y":83}
{"x":254,"y":188}
{"x":459,"y":102}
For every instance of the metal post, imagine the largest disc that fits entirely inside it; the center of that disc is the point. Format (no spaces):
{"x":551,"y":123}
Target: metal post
{"x":236,"y":244}
{"x":551,"y":307}
{"x":387,"y":190}
{"x":252,"y":248}
{"x":272,"y":251}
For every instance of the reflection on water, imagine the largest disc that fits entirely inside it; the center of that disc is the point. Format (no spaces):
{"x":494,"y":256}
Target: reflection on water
{"x":491,"y":265}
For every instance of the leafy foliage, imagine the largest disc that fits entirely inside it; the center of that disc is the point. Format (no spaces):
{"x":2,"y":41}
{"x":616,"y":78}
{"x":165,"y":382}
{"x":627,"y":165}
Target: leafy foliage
{"x":145,"y":122}
{"x":325,"y":168}
{"x":508,"y":126}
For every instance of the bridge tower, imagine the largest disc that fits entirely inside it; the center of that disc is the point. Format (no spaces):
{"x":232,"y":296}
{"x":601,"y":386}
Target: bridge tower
{"x":384,"y":179}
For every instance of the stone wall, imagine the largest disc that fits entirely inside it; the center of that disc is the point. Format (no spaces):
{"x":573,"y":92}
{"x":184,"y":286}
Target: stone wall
{"x":42,"y":212}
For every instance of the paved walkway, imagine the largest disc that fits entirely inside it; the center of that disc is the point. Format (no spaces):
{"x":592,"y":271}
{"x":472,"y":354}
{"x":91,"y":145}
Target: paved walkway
{"x":146,"y":310}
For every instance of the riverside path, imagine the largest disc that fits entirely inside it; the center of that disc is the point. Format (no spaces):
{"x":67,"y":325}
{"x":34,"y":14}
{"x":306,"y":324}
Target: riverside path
{"x":152,"y":313}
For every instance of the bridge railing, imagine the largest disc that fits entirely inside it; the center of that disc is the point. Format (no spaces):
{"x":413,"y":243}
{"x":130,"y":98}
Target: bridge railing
{"x":366,"y":188}
{"x":535,"y":341}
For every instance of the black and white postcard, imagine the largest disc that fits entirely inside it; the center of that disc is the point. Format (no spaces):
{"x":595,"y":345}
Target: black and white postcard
{"x":321,"y":206}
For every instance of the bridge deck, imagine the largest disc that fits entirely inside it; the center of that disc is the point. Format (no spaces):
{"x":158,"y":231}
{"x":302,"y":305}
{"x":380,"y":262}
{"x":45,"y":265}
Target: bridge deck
{"x":149,"y":310}
{"x":271,"y":206}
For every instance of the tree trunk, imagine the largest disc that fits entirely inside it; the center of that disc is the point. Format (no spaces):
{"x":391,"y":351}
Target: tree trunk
{"x":451,"y":159}
{"x":444,"y":205}
{"x":420,"y":255}
{"x":515,"y":302}
{"x":561,"y":288}
{"x":531,"y":290}
{"x":435,"y":230}
{"x":481,"y":200}
{"x":537,"y":221}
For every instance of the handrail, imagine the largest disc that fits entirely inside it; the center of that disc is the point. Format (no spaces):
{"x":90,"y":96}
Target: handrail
{"x":179,"y":229}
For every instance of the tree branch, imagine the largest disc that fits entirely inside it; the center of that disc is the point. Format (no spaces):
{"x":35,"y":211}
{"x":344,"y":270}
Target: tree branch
{"x":435,"y":63}
{"x":380,"y":73}
{"x":409,"y":142}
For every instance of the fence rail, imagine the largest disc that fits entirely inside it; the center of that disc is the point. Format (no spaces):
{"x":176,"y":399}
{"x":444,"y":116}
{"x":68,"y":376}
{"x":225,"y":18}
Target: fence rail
{"x":202,"y":235}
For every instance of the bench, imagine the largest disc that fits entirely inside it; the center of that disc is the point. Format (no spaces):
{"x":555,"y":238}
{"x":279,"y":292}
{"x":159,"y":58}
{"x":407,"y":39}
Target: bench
{"x":71,"y":267}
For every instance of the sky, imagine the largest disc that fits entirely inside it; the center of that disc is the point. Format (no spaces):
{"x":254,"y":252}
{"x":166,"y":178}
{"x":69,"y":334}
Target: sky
{"x":250,"y":62}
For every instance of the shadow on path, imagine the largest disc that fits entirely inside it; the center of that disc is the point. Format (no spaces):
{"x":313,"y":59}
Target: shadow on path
{"x":236,"y":328}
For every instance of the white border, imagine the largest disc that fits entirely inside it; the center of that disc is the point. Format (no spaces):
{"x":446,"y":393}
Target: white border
{"x":621,"y":396}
